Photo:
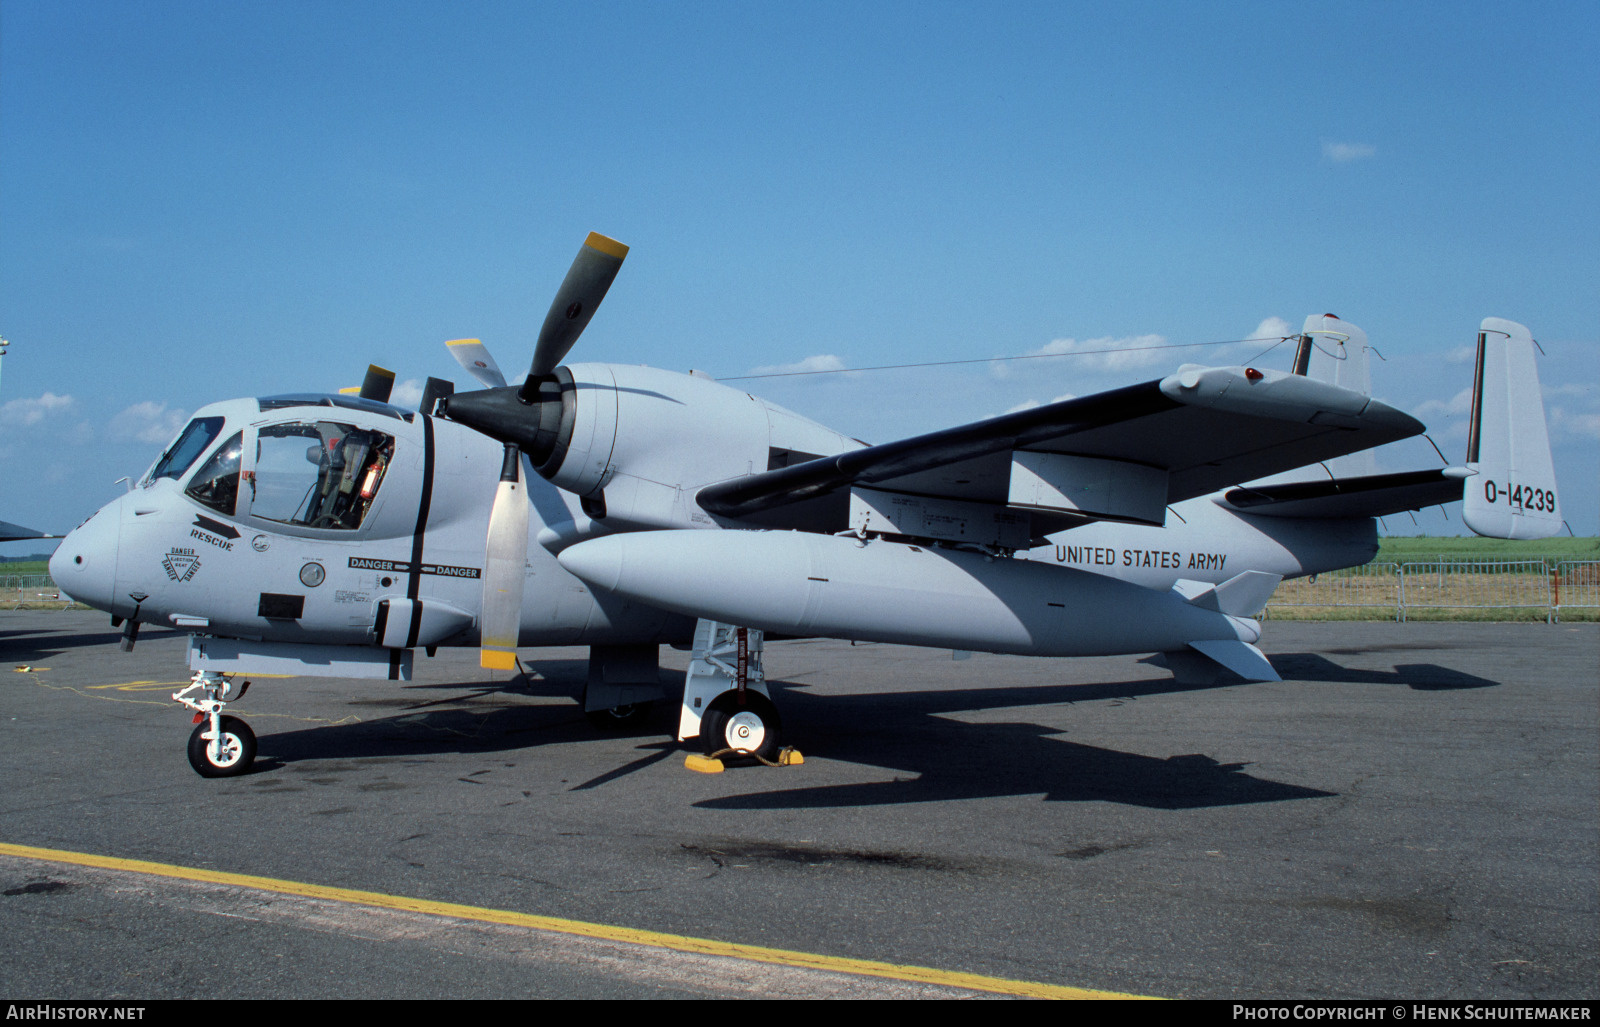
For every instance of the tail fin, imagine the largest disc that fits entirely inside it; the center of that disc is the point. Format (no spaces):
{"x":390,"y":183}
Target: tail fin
{"x":1336,"y":352}
{"x":1513,"y":491}
{"x":1243,"y":595}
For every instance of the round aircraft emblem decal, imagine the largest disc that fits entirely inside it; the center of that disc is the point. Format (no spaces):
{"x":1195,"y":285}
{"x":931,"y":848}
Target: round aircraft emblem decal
{"x":261,"y":543}
{"x":311,"y":575}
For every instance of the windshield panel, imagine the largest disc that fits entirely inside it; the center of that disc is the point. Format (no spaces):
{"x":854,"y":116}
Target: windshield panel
{"x":321,"y":474}
{"x":216,"y":483}
{"x":196,"y":437}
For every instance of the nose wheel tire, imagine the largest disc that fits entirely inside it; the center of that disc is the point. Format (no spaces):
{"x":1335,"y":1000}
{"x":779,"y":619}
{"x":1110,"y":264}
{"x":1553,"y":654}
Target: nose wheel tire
{"x":236,"y":749}
{"x":752,"y":727}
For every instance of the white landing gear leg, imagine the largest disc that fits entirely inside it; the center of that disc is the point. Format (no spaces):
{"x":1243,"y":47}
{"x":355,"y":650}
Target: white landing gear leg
{"x":726,"y":701}
{"x":219,"y":746}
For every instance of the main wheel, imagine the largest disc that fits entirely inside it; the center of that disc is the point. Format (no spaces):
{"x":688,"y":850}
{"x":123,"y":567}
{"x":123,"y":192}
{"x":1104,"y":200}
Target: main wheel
{"x":753,"y":727}
{"x":238,"y":749}
{"x":618,"y":718}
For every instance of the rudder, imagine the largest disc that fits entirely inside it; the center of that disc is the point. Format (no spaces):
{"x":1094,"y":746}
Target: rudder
{"x":1512,"y":493}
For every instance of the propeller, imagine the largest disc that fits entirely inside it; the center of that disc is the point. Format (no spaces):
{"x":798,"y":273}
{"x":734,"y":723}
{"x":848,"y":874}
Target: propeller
{"x":474,"y":356}
{"x":432,"y":392}
{"x":377,"y":385}
{"x":586,"y":284}
{"x":526,"y":419}
{"x":504,"y":559}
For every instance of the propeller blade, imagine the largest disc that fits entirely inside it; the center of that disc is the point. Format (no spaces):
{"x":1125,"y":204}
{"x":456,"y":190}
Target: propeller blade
{"x":378,"y":383}
{"x":591,"y":274}
{"x":474,"y":356}
{"x":504,"y":566}
{"x":431,"y":393}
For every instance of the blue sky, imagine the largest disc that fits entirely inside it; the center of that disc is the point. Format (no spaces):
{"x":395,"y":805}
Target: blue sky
{"x":205,"y":200}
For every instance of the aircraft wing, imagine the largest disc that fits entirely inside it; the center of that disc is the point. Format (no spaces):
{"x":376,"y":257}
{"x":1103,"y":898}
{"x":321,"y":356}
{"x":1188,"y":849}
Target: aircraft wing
{"x":1374,"y":495}
{"x":13,"y":532}
{"x":1119,"y":455}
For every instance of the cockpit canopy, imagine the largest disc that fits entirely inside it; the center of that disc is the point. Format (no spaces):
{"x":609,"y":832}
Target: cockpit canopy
{"x":303,"y":472}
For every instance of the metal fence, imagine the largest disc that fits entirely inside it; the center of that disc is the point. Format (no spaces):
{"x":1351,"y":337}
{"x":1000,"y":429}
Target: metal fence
{"x":1537,"y":589}
{"x":19,"y":590}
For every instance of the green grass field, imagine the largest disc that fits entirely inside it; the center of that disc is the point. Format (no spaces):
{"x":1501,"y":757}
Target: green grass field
{"x":1417,"y":548}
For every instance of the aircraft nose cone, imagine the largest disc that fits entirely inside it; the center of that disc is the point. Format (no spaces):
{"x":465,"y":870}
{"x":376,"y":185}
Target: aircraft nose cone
{"x":85,"y":563}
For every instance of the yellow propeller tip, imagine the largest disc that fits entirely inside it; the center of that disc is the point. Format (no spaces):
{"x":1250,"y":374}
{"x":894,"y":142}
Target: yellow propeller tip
{"x":610,"y":247}
{"x":498,"y":661}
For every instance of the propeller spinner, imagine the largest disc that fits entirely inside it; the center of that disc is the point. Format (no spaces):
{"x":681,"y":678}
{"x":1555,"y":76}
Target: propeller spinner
{"x":527,"y":419}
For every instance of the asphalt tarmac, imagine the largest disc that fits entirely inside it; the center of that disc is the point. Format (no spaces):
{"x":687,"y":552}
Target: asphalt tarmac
{"x":1411,"y":813}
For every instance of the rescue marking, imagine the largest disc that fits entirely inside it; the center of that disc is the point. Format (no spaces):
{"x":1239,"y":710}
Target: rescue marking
{"x":602,"y":932}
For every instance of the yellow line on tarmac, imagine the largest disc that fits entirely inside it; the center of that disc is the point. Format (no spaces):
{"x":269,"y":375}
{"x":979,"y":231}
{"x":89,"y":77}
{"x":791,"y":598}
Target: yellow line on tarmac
{"x":603,"y":932}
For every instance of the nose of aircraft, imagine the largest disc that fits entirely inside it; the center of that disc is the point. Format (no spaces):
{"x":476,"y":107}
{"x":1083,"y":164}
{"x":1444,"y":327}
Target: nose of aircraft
{"x":85,"y":563}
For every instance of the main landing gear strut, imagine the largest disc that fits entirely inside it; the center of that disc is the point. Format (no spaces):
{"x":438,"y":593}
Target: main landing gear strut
{"x":726,"y":701}
{"x":219,"y":746}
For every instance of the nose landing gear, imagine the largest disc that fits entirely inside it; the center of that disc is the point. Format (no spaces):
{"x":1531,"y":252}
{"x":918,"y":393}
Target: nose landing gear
{"x":219,"y":746}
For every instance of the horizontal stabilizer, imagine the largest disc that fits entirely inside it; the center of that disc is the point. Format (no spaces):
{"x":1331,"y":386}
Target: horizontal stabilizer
{"x":1242,"y":658}
{"x":1508,"y":447}
{"x":1373,"y":495}
{"x":1243,"y":595}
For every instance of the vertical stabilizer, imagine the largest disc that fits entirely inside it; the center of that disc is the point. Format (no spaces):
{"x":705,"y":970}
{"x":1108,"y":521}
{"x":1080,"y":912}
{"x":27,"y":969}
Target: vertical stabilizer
{"x":1512,"y":493}
{"x":1336,"y":352}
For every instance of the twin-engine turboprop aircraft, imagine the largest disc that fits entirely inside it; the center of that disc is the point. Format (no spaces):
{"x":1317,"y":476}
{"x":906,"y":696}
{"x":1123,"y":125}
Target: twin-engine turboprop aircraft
{"x":621,"y":507}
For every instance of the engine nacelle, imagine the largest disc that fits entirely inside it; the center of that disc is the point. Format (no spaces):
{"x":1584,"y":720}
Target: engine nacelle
{"x":637,"y":443}
{"x":641,"y":442}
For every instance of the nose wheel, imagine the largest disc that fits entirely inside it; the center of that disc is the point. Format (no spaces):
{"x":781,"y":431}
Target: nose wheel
{"x":219,"y":746}
{"x":228,"y":751}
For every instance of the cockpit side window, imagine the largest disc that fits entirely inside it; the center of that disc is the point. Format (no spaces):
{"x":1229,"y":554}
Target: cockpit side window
{"x":196,"y":437}
{"x":216,"y":483}
{"x":321,"y":474}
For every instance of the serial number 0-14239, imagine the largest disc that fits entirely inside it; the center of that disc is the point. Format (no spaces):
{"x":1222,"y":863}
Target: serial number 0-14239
{"x":1524,"y":496}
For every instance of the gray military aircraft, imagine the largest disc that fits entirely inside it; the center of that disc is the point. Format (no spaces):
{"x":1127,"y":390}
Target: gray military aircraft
{"x":622,"y":507}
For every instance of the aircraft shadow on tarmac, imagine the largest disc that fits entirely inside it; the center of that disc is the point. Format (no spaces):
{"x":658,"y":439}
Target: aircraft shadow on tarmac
{"x":1423,"y":677}
{"x":947,"y":760}
{"x":905,"y":731}
{"x":34,"y":646}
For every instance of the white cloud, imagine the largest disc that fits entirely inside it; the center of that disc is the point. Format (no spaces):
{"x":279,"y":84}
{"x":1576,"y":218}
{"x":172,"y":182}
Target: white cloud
{"x":147,"y":422}
{"x":407,"y":395}
{"x":1108,"y":354}
{"x":1272,"y":328}
{"x":31,"y":411}
{"x":810,"y":365}
{"x":1462,"y":355}
{"x":1456,"y":406}
{"x":1579,"y":426}
{"x":1030,"y":404}
{"x":1344,"y":153}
